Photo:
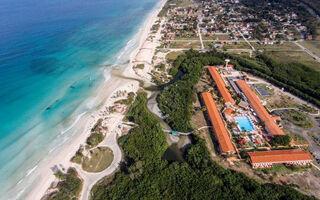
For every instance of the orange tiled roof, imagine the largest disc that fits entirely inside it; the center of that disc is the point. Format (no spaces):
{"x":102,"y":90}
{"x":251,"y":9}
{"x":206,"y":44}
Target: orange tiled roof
{"x":220,"y":84}
{"x":278,"y":156}
{"x":229,"y":111}
{"x":255,"y":103}
{"x":218,"y":125}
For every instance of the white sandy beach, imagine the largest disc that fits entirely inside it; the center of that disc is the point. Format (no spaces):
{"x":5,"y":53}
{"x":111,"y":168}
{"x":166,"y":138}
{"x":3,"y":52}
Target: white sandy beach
{"x":68,"y":149}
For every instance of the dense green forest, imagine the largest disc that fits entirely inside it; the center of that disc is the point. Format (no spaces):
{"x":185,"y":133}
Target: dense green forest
{"x":175,"y":101}
{"x":146,"y":175}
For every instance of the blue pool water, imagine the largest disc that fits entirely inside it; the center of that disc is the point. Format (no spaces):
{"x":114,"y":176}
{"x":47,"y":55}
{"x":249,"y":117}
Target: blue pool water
{"x":244,"y":124}
{"x":52,"y":57}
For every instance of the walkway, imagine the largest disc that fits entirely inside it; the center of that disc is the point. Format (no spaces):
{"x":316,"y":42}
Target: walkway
{"x":188,"y":133}
{"x":246,"y":39}
{"x":200,"y":36}
{"x":317,"y":58}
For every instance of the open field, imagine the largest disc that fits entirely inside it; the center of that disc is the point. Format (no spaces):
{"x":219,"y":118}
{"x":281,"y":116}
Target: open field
{"x":241,"y":45}
{"x":214,"y":37}
{"x":100,"y":159}
{"x":186,"y":44}
{"x":173,"y":55}
{"x":186,"y":38}
{"x":287,"y":46}
{"x":312,"y":45}
{"x":295,"y":56}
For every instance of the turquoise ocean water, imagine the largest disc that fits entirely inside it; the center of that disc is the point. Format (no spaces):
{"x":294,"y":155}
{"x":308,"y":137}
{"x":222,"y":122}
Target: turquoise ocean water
{"x":52,"y":55}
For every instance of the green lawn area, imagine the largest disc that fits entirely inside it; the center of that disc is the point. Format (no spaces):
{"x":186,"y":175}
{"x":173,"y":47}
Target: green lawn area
{"x":294,"y":56}
{"x":214,"y":37}
{"x":287,"y":46}
{"x":100,"y":159}
{"x":241,"y":45}
{"x":312,"y":45}
{"x":186,"y":38}
{"x":173,"y":55}
{"x":298,"y":119}
{"x":186,"y":44}
{"x":289,"y":52}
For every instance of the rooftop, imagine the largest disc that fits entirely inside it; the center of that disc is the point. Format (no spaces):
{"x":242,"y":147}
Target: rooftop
{"x":221,"y":85}
{"x":218,"y":125}
{"x":255,"y":103}
{"x":279,"y":156}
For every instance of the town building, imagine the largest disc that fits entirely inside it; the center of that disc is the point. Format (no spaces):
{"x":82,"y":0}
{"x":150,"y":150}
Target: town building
{"x":220,"y":131}
{"x":223,"y":90}
{"x":263,"y":159}
{"x":270,"y":124}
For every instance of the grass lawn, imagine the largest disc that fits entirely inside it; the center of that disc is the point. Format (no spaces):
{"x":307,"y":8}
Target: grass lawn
{"x":214,"y":37}
{"x":294,"y":56}
{"x":100,"y":159}
{"x":299,"y":119}
{"x":173,"y":55}
{"x":312,"y":45}
{"x":287,"y":46}
{"x":241,"y":45}
{"x":186,"y":44}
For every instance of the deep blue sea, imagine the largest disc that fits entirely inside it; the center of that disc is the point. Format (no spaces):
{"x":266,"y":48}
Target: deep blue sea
{"x":52,"y":55}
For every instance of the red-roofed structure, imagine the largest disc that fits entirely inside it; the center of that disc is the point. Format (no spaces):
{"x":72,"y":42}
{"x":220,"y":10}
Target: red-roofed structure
{"x":255,"y":103}
{"x":220,"y":130}
{"x":262,"y":159}
{"x":221,"y":85}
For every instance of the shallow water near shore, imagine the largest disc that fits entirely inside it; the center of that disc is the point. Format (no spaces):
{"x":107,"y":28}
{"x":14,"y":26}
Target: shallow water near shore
{"x":53,"y":56}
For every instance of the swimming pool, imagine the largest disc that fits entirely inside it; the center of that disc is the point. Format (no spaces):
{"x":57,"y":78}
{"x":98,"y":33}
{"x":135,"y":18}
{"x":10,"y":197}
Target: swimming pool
{"x":244,"y":124}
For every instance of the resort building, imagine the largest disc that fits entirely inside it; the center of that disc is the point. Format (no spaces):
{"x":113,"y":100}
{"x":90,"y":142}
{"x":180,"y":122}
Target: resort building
{"x":270,"y":124}
{"x":223,"y":90}
{"x":262,"y":159}
{"x":220,"y":131}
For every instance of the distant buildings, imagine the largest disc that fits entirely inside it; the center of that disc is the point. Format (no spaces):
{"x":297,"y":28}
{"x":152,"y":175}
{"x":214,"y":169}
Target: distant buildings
{"x":263,"y":159}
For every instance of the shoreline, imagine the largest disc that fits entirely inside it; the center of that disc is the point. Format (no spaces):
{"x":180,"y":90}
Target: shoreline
{"x":110,"y":86}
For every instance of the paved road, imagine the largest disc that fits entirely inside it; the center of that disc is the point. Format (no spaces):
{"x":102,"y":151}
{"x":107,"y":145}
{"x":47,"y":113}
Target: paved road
{"x":317,"y":58}
{"x":89,"y":179}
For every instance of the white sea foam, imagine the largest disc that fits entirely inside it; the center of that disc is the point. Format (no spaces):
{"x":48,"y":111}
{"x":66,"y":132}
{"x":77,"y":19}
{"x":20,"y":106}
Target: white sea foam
{"x":73,"y":124}
{"x":31,"y":170}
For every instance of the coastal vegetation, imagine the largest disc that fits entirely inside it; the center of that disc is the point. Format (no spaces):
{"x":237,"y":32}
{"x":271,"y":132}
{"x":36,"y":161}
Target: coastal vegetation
{"x":146,"y":175}
{"x":128,"y":100}
{"x":97,"y":134}
{"x":139,"y":66}
{"x":77,"y":158}
{"x":69,"y":186}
